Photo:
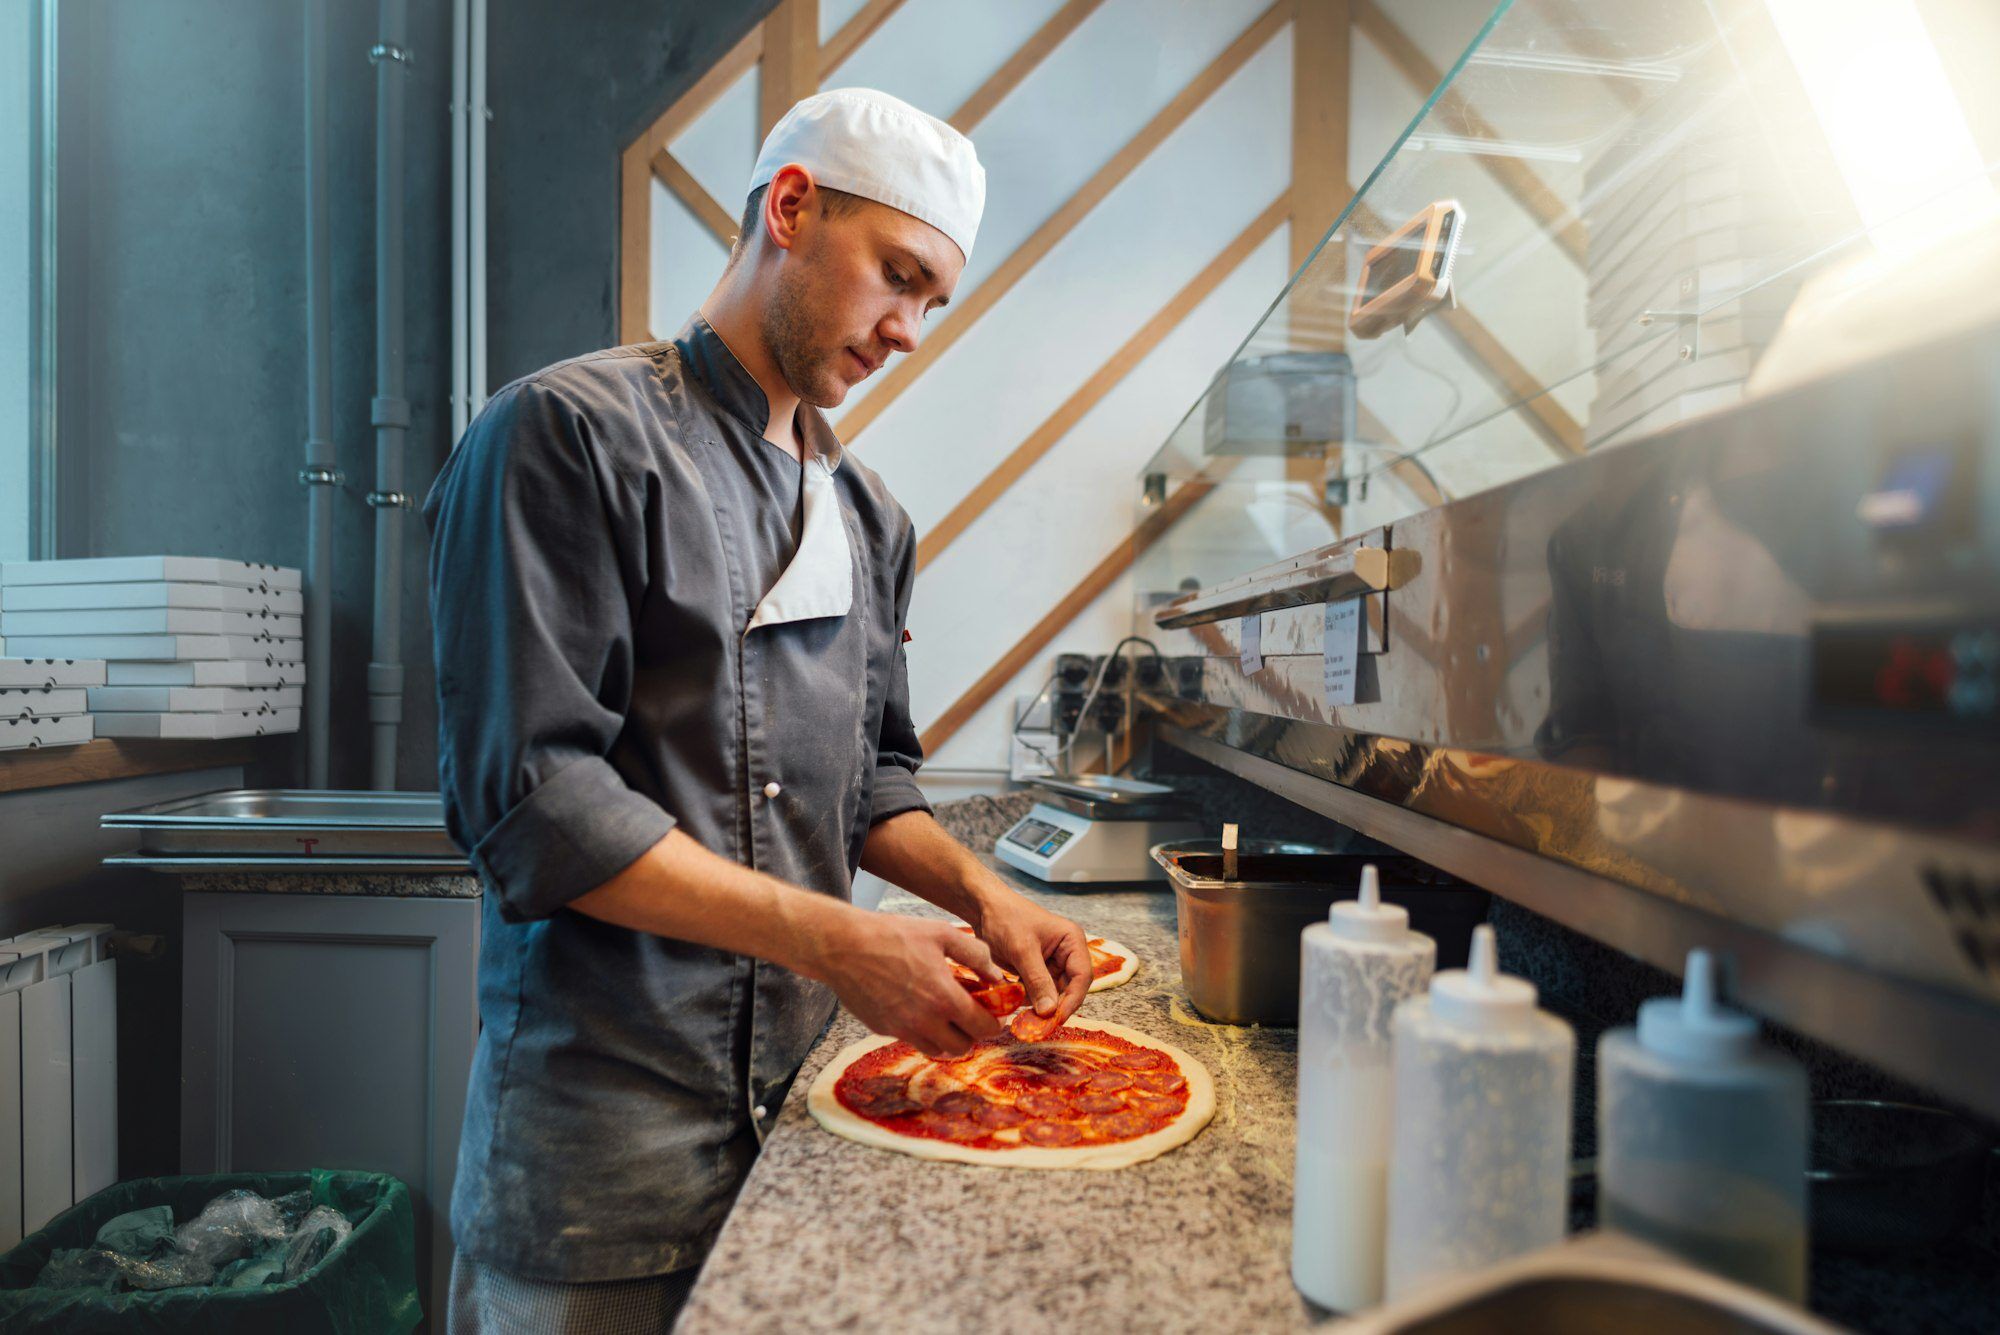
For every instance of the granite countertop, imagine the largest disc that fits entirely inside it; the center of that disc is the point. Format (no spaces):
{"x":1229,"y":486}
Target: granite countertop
{"x":831,"y":1235}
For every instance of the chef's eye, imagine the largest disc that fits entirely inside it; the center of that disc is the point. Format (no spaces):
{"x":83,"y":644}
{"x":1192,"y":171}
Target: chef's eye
{"x":894,"y":276}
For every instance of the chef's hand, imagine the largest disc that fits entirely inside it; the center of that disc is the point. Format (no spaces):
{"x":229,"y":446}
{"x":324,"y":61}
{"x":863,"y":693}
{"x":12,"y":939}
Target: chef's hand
{"x":1050,"y":954}
{"x":894,"y":973}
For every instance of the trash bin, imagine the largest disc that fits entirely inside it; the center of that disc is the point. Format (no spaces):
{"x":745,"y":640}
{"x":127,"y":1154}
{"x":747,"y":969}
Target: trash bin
{"x":366,"y":1284}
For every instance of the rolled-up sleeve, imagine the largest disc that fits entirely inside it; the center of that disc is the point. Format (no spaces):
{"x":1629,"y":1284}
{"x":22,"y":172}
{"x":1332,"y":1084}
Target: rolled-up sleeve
{"x":898,"y":753}
{"x":531,"y":602}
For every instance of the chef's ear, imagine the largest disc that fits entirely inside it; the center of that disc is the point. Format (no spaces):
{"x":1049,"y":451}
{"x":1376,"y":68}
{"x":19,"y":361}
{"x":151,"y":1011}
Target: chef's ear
{"x":784,"y":205}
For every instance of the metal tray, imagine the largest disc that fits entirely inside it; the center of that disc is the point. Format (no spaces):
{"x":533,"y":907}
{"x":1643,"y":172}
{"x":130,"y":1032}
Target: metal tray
{"x":299,"y":823}
{"x":217,"y":863}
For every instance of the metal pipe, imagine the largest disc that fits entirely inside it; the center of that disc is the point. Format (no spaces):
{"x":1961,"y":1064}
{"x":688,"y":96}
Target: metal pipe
{"x":320,"y":475}
{"x":390,"y":411}
{"x":461,"y":379}
{"x":478,"y":115}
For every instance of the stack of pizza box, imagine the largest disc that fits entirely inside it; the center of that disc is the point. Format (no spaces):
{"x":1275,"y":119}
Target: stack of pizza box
{"x":191,"y":646}
{"x":44,"y":701}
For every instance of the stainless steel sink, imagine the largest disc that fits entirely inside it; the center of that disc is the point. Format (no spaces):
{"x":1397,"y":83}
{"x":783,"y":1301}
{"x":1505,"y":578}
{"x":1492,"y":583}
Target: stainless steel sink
{"x":286,"y":829}
{"x":1595,"y":1284}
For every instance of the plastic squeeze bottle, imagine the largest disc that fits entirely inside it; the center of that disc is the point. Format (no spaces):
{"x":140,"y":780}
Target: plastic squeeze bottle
{"x":1702,"y":1138}
{"x":1479,"y":1155}
{"x":1353,"y":970}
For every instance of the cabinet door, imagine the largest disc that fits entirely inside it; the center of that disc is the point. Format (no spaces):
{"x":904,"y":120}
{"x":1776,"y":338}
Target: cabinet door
{"x":332,"y":1031}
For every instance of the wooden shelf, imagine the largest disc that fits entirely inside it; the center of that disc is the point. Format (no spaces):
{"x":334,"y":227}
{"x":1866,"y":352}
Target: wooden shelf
{"x":123,"y":758}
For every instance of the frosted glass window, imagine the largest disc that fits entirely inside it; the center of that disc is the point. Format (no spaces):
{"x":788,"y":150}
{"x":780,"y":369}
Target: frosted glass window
{"x":720,"y":147}
{"x":687,"y":259}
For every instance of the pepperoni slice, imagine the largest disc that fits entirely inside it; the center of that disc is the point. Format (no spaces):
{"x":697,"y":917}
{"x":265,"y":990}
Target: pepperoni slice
{"x":1107,"y":1082}
{"x":882,"y":1085}
{"x":1156,"y":1106}
{"x":1001,"y":998}
{"x":960,"y":1101}
{"x":1123,"y":1125}
{"x":1141,"y":1060}
{"x":1046,"y":1104}
{"x":1051,"y":1133}
{"x":1032,"y":1028}
{"x":1160,"y":1082}
{"x":999,"y":1116}
{"x":946,"y":1126}
{"x":883,"y":1105}
{"x":1099,"y":1103}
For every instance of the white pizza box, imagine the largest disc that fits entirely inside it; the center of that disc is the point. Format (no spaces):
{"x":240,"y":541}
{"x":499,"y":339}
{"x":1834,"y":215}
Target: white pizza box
{"x":27,"y":734}
{"x":211,"y":672}
{"x":29,"y":673}
{"x":194,"y":699}
{"x":150,"y":621}
{"x":218,"y":723}
{"x":149,"y":593}
{"x":42,"y":701}
{"x":257,"y":648}
{"x":128,"y":569}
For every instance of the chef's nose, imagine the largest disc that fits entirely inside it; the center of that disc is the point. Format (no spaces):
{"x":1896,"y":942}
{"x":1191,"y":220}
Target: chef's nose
{"x":900,"y":329}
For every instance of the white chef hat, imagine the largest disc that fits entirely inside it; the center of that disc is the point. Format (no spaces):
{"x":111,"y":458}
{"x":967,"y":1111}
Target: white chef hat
{"x":870,"y":144}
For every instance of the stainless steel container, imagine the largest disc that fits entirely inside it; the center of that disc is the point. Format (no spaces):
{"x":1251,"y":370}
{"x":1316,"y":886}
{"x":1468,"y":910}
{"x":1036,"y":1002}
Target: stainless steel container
{"x":262,"y":827}
{"x":1239,"y":940}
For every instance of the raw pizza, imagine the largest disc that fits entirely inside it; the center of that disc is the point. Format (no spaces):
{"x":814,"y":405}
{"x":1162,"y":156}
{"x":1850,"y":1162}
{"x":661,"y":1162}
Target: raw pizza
{"x":1110,"y":963}
{"x":1092,"y":1095}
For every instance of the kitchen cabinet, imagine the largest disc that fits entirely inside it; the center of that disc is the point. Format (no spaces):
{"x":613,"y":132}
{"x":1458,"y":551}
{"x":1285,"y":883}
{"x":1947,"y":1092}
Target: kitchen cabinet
{"x":332,"y":1031}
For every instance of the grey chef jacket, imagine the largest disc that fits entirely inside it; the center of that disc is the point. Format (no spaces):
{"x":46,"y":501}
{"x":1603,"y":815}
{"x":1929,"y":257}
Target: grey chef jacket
{"x":648,"y":617}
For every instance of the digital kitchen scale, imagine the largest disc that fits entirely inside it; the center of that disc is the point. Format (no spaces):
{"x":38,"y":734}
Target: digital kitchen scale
{"x":1094,"y":829}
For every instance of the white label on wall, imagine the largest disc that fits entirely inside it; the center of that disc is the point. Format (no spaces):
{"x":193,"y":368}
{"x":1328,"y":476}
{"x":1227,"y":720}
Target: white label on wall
{"x":1253,"y":643}
{"x":1343,"y":650}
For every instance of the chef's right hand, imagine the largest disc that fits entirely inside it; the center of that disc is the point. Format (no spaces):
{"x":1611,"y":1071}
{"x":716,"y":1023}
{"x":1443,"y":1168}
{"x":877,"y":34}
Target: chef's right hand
{"x":894,"y":973}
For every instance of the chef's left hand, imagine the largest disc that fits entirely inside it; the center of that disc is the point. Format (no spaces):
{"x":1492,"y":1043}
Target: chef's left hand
{"x":1049,"y":954}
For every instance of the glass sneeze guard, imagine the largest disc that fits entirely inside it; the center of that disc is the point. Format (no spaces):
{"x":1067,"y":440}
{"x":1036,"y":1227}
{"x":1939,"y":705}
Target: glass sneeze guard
{"x":1634,"y":198}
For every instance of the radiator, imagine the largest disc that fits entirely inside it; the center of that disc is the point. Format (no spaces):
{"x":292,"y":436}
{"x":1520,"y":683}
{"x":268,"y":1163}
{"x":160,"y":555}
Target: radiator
{"x":58,"y":1074}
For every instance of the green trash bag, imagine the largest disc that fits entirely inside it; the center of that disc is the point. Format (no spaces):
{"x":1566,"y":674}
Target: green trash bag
{"x":366,"y":1285}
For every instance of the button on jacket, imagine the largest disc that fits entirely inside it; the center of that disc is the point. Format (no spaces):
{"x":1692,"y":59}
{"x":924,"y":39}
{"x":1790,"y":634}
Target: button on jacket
{"x":648,"y":617}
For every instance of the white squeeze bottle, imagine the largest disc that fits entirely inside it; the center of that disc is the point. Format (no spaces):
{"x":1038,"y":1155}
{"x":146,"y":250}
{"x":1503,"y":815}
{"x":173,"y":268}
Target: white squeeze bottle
{"x":1702,"y":1138}
{"x":1479,"y":1159}
{"x":1353,"y":970}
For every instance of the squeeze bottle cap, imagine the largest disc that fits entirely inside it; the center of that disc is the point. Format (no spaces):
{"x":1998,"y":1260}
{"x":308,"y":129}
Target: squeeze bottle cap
{"x":1479,"y":995}
{"x":1694,"y":1026}
{"x":1368,"y":918}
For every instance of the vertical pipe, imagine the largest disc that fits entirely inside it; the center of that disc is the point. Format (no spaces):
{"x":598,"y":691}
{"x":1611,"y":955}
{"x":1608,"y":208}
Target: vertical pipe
{"x":319,"y":475}
{"x":391,"y":409}
{"x":461,"y":120}
{"x":478,"y":115}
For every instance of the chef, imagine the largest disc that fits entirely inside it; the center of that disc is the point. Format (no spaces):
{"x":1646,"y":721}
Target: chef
{"x":674,"y":718}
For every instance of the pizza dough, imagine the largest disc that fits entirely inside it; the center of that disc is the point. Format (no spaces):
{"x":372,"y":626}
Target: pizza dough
{"x":1129,"y":965}
{"x":1001,"y":1073}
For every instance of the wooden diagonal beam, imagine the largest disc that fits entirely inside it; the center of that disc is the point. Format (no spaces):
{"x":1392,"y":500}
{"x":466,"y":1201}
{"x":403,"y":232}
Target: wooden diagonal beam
{"x":1060,"y":223}
{"x":1086,"y":591}
{"x":669,"y":172}
{"x":1550,"y":420}
{"x":635,"y":181}
{"x":1022,"y":63}
{"x":790,"y":68}
{"x":1115,"y":368}
{"x":1516,"y":177}
{"x":853,"y":33}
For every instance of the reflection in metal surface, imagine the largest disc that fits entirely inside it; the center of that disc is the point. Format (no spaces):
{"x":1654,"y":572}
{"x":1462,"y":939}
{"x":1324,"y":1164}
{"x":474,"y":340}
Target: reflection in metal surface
{"x":1691,"y":666}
